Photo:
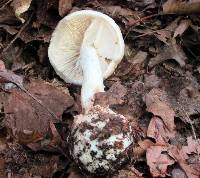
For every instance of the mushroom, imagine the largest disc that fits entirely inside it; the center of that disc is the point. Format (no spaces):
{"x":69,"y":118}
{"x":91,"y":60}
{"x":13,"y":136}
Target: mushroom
{"x":85,"y":48}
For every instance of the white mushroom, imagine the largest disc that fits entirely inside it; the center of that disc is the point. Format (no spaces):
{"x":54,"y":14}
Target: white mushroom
{"x":85,"y":48}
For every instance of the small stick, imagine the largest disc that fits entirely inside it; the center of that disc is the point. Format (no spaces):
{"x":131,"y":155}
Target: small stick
{"x":4,"y":5}
{"x":132,"y":24}
{"x":18,"y":34}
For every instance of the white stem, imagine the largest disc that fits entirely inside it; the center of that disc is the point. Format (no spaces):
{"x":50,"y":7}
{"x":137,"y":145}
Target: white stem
{"x":92,"y":76}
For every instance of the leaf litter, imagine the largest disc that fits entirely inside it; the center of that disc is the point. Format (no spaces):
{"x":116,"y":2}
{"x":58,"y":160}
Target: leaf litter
{"x":156,"y":87}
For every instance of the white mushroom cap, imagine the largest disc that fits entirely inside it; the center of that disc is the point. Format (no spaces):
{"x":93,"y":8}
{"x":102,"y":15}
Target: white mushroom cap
{"x":100,"y":140}
{"x":80,"y":29}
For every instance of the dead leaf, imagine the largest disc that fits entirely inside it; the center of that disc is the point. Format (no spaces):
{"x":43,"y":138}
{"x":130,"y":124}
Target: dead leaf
{"x":193,"y":147}
{"x":160,"y":108}
{"x":24,"y":113}
{"x":2,"y":66}
{"x":158,"y":160}
{"x":140,"y":151}
{"x":25,"y":137}
{"x":2,"y":168}
{"x":20,"y":6}
{"x":179,"y":99}
{"x":113,"y":96}
{"x":7,"y":17}
{"x":10,"y":76}
{"x":163,"y":110}
{"x":139,"y":58}
{"x":173,"y":51}
{"x":10,"y":29}
{"x":46,"y":169}
{"x":56,"y":136}
{"x":188,"y":105}
{"x":178,"y":173}
{"x":41,"y":34}
{"x":165,"y":35}
{"x":44,"y":14}
{"x":182,"y":27}
{"x":126,"y":15}
{"x":159,"y":131}
{"x":64,"y":7}
{"x":181,"y":7}
{"x":190,"y":171}
{"x":152,"y":80}
{"x":145,"y":144}
{"x":130,"y":172}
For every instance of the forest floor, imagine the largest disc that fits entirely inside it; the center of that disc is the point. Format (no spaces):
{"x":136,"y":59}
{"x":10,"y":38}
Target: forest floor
{"x":156,"y":86}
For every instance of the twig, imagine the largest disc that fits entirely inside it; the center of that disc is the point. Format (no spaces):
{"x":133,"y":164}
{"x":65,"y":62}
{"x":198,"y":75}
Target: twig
{"x":4,"y":5}
{"x":133,"y":24}
{"x":18,"y":34}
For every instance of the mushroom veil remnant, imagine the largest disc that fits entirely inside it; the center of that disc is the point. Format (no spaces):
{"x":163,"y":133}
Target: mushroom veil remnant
{"x":100,"y":141}
{"x":85,"y":48}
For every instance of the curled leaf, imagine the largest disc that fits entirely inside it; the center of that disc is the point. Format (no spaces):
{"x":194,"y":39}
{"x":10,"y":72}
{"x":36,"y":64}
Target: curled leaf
{"x":21,"y":6}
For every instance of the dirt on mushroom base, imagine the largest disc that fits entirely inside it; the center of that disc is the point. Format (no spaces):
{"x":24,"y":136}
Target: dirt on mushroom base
{"x":156,"y":81}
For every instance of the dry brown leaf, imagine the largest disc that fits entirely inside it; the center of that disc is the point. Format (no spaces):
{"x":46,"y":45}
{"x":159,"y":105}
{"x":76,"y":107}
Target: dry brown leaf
{"x":193,"y":147}
{"x":26,"y":137}
{"x":160,"y":108}
{"x":152,"y":80}
{"x":10,"y":76}
{"x":20,"y":6}
{"x":165,"y":35}
{"x":45,"y":169}
{"x":64,"y":7}
{"x":178,"y":173}
{"x":158,"y":160}
{"x":190,"y":171}
{"x":139,"y":58}
{"x":173,"y":51}
{"x":128,"y":173}
{"x":126,"y":15}
{"x":2,"y":168}
{"x":182,"y":27}
{"x":113,"y":96}
{"x":145,"y":144}
{"x":159,"y":131}
{"x":181,"y":7}
{"x":139,"y":151}
{"x":2,"y":66}
{"x":163,"y":110}
{"x":7,"y":17}
{"x":25,"y":114}
{"x":42,"y":34}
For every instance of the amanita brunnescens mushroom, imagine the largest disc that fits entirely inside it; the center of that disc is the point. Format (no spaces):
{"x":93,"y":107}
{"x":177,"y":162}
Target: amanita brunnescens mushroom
{"x":85,"y":48}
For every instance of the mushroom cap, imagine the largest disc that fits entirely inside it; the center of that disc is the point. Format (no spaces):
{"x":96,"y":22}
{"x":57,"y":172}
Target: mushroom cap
{"x":100,"y":140}
{"x":85,"y":27}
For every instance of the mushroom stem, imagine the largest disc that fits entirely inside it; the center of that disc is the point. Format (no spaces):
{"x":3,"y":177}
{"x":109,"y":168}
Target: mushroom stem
{"x":92,"y":76}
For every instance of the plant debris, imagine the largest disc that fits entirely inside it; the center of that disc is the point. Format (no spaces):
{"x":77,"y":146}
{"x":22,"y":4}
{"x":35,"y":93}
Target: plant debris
{"x":156,"y":86}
